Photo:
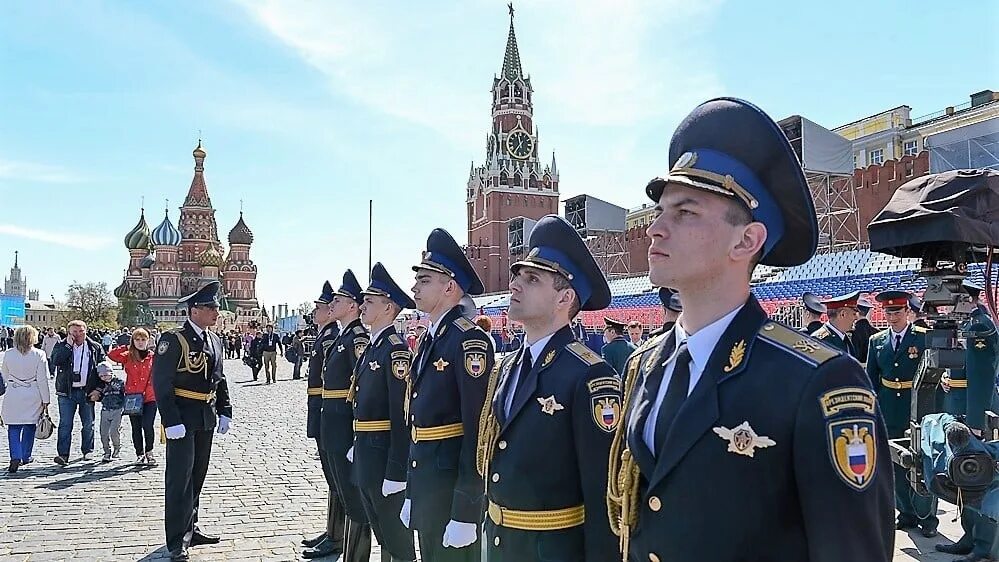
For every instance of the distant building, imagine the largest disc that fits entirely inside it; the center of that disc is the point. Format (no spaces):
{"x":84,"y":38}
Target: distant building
{"x":15,"y":285}
{"x":43,"y":314}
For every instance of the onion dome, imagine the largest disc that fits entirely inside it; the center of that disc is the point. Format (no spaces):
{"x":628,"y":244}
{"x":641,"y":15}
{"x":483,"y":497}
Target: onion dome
{"x":211,"y":258}
{"x":121,"y":291}
{"x":166,"y":234}
{"x":148,"y":261}
{"x":199,"y":152}
{"x":240,"y":234}
{"x":138,"y":237}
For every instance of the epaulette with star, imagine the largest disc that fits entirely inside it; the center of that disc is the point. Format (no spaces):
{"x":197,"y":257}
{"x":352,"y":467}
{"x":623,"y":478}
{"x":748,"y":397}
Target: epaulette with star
{"x":797,"y":344}
{"x":394,"y":339}
{"x":585,"y":354}
{"x":463,"y":324}
{"x":359,"y":330}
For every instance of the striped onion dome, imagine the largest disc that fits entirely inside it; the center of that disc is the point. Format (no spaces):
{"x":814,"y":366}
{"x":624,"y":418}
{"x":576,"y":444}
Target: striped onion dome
{"x":121,"y":291}
{"x":138,"y":237}
{"x":166,"y":234}
{"x":211,"y":258}
{"x":240,"y":234}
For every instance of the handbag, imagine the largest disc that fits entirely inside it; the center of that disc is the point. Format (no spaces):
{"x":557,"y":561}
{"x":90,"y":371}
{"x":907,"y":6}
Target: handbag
{"x":43,"y":428}
{"x":133,"y":404}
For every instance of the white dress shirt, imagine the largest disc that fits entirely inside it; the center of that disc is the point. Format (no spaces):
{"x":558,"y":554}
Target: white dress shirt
{"x":374,"y":336}
{"x":700,"y":345}
{"x":81,"y":363}
{"x":201,"y":333}
{"x":511,"y":387}
{"x":899,"y":335}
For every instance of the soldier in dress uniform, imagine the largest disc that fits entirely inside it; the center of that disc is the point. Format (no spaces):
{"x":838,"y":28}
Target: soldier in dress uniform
{"x":616,"y":349}
{"x":338,"y":415}
{"x":672,"y":307}
{"x":381,"y":434}
{"x":191,"y":391}
{"x":814,"y":309}
{"x":558,"y":394}
{"x":842,"y":311}
{"x":862,"y":331}
{"x":329,"y":541}
{"x":893,"y":356}
{"x":722,"y":410}
{"x":969,"y":393}
{"x":448,"y":388}
{"x":916,"y":314}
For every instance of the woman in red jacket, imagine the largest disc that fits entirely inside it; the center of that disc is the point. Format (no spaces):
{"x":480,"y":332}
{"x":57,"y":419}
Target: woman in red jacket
{"x":138,"y":363}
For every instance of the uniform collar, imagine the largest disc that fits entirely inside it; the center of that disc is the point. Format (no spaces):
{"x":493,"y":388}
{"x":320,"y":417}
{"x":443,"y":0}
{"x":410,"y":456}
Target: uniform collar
{"x":831,"y":328}
{"x":376,"y":335}
{"x":539,"y":346}
{"x":702,"y":343}
{"x":902,"y":333}
{"x":197,"y":330}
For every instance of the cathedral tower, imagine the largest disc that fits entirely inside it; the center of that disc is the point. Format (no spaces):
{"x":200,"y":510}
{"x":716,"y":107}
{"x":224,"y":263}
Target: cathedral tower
{"x":198,"y":229}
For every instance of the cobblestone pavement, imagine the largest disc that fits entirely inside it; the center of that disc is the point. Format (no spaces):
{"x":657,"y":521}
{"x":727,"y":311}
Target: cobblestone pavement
{"x":264,"y":492}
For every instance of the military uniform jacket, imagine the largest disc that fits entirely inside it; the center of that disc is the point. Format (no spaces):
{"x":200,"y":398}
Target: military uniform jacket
{"x":828,"y":336}
{"x":183,"y":362}
{"x":890,"y":370}
{"x":812,"y":327}
{"x":616,"y":353}
{"x":861,"y":338}
{"x":338,"y":413}
{"x":551,"y":452}
{"x":777,"y":454}
{"x":317,"y":360}
{"x":979,"y":371}
{"x":449,"y":381}
{"x":379,"y":395}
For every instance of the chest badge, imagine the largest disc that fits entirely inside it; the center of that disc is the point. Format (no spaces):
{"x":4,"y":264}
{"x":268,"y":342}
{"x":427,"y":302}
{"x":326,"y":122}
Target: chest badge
{"x":743,"y":440}
{"x":913,"y":352}
{"x":374,"y":366}
{"x":980,"y":344}
{"x":548,"y":358}
{"x":340,"y":348}
{"x":550,"y":405}
{"x":440,"y":365}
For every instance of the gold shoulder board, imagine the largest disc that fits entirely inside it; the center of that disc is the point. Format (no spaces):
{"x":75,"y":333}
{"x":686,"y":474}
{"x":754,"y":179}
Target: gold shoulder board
{"x":463,"y":324}
{"x":395,"y":339}
{"x":584,"y":353}
{"x":919,"y":329}
{"x":800,"y":345}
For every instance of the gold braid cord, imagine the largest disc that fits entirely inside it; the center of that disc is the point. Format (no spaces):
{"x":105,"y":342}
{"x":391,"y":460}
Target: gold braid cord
{"x":622,"y":471}
{"x":197,"y":365}
{"x":409,"y":392}
{"x":488,"y":426}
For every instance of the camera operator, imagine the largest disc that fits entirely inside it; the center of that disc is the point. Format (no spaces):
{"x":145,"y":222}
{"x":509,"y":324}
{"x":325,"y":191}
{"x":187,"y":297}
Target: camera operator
{"x":892,"y":358}
{"x":969,"y":393}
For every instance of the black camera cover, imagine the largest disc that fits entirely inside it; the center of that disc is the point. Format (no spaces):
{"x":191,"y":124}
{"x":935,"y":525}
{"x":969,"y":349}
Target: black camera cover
{"x":957,"y":206}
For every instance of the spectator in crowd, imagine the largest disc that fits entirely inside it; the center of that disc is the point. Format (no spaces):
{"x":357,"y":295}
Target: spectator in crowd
{"x":137,"y":359}
{"x":77,"y":387}
{"x":421,"y":330}
{"x":616,"y":349}
{"x":578,"y":329}
{"x":9,"y":339}
{"x":255,"y":354}
{"x":411,"y":339}
{"x":298,"y":349}
{"x":269,"y":348}
{"x":485,"y":323}
{"x":48,"y":344}
{"x":27,"y":395}
{"x":122,"y":339}
{"x":112,"y":404}
{"x":3,"y":337}
{"x":635,"y":331}
{"x":106,"y":341}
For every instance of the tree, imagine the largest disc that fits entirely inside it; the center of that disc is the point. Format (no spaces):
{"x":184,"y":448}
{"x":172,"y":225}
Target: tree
{"x":305,"y":308}
{"x":93,"y":303}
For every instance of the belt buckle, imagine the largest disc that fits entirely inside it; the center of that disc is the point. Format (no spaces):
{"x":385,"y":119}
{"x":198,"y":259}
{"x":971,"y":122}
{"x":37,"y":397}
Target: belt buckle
{"x":496,"y":513}
{"x":413,"y":434}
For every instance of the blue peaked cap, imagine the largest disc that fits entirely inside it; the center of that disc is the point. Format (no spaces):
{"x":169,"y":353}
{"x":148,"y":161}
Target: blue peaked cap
{"x":350,"y":288}
{"x":383,"y":285}
{"x":444,"y":255}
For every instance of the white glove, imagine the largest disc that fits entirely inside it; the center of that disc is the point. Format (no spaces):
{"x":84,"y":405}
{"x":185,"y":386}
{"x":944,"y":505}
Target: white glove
{"x":350,"y":454}
{"x":458,"y":534}
{"x":390,"y":487}
{"x":176,"y":431}
{"x":404,"y":514}
{"x":224,"y":422}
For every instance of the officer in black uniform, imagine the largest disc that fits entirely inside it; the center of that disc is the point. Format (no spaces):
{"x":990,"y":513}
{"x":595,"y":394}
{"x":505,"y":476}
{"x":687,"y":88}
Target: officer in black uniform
{"x":555,"y":401}
{"x":190,"y":391}
{"x":449,"y":378}
{"x":917,"y":316}
{"x":381,"y":434}
{"x":814,"y":309}
{"x":338,"y":415}
{"x":743,"y":439}
{"x":842,"y":311}
{"x":329,"y":541}
{"x":672,"y":307}
{"x":862,"y":331}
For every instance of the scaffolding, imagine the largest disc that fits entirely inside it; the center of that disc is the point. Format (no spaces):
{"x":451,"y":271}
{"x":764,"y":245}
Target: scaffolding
{"x":602,"y":226}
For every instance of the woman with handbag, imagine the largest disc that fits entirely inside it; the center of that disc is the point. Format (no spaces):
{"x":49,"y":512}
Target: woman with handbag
{"x":26,"y":402}
{"x":140,"y":399}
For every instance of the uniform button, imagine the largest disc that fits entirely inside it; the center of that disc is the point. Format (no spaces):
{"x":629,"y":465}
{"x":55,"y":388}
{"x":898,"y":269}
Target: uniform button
{"x":414,"y":464}
{"x":495,"y":477}
{"x":412,"y":417}
{"x":896,"y":364}
{"x":414,"y":394}
{"x":502,"y":445}
{"x":898,"y":394}
{"x":496,"y":541}
{"x":653,"y":557}
{"x":655,"y":504}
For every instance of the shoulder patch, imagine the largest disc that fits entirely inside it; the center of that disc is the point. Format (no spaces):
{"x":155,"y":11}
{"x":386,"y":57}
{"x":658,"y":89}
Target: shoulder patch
{"x":846,"y":398}
{"x":394,"y":339}
{"x":585,"y":354}
{"x":163,"y":347}
{"x":463,"y":324}
{"x":605,"y":402}
{"x":401,"y":363}
{"x":603,"y":384}
{"x":797,"y":344}
{"x":474,"y":343}
{"x":918,"y":329}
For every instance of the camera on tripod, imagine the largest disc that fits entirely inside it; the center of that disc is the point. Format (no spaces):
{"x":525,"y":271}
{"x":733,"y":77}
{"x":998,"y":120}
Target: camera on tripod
{"x":946,"y":220}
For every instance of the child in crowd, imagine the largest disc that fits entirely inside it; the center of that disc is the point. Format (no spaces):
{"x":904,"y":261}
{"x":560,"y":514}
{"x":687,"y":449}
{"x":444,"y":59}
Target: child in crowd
{"x":112,"y":404}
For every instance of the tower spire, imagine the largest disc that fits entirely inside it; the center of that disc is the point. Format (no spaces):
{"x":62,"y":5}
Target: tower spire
{"x":511,"y":58}
{"x":15,"y":258}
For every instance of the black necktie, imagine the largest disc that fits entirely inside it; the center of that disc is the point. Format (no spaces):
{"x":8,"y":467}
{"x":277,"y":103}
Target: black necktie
{"x":898,"y":341}
{"x":424,"y":351}
{"x":526,"y":364}
{"x":676,"y":393}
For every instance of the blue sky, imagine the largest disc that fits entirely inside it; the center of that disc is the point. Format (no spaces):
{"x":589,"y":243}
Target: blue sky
{"x":308,"y":109}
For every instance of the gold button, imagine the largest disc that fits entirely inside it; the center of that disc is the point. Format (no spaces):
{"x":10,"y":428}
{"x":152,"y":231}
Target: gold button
{"x":653,"y":557}
{"x":496,"y":541}
{"x":414,"y":464}
{"x":502,"y":445}
{"x":655,"y":504}
{"x":495,"y":477}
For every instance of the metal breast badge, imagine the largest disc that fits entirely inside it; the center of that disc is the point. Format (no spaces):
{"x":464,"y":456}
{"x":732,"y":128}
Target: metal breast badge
{"x":743,"y":439}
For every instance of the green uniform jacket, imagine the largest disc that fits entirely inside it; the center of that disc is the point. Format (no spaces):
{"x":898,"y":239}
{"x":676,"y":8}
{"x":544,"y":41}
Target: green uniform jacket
{"x":973,"y":395}
{"x":826,"y":335}
{"x":616,"y":354}
{"x":890,"y":368}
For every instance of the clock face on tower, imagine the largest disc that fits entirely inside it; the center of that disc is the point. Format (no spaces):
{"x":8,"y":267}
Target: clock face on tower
{"x":520,"y":145}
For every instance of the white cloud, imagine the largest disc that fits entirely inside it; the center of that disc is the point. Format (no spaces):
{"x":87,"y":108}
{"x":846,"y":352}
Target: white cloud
{"x":11,"y":170}
{"x":67,"y":239}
